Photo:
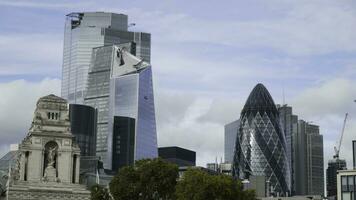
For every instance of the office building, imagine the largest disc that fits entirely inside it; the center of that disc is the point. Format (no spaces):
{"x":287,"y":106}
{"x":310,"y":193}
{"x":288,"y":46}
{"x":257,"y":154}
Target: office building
{"x":231,"y":132}
{"x":85,"y":31}
{"x":261,"y":145}
{"x":346,"y":180}
{"x":289,"y":124}
{"x":83,"y":127}
{"x":309,"y":160}
{"x":177,"y":155}
{"x":346,"y":185}
{"x":331,"y":176}
{"x":120,"y":88}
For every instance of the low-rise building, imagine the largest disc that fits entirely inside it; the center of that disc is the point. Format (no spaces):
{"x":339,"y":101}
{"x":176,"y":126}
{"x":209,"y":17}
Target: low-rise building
{"x":346,"y":186}
{"x":177,"y":155}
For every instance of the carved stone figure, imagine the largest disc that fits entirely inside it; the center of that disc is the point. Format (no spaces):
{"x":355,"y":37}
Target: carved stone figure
{"x":51,"y":156}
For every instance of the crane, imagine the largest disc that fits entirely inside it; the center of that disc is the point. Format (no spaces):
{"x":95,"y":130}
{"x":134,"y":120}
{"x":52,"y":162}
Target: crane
{"x":337,"y":149}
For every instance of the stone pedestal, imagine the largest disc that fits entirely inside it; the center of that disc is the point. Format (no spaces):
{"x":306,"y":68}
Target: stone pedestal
{"x":50,"y":174}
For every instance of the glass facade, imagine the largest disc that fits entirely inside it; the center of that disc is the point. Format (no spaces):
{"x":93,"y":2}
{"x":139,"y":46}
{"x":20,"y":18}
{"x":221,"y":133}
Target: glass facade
{"x":289,"y":124}
{"x":132,"y":96}
{"x":124,"y":142}
{"x":120,"y":85}
{"x":348,"y":187}
{"x":97,"y":94}
{"x":83,"y":127}
{"x":179,"y":156}
{"x":261,"y":145}
{"x":231,"y":132}
{"x":85,"y":31}
{"x":331,"y":175}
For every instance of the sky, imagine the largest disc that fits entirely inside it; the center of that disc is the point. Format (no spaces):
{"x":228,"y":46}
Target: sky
{"x":207,"y":56}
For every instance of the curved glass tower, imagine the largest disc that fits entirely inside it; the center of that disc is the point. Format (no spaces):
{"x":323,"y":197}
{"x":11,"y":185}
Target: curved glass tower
{"x":261,"y":146}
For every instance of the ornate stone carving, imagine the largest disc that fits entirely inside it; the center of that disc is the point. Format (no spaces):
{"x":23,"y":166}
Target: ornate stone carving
{"x":43,"y":160}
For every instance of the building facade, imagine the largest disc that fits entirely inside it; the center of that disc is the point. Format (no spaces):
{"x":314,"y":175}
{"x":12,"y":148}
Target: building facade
{"x":120,"y":85}
{"x":48,"y":160}
{"x":83,"y":127}
{"x":231,"y":132}
{"x":346,"y":184}
{"x":309,"y":160}
{"x":261,"y":145}
{"x":331,"y":176}
{"x":177,"y":155}
{"x":85,"y":31}
{"x":289,"y":124}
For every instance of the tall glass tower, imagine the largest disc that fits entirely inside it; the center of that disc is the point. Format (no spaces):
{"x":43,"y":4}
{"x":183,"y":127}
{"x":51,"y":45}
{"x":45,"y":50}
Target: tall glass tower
{"x":120,"y":87}
{"x":231,"y":132}
{"x":85,"y":31}
{"x":261,"y":145}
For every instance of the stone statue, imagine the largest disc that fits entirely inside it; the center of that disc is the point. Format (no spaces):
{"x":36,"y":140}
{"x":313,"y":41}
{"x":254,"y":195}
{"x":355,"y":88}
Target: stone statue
{"x":51,"y":155}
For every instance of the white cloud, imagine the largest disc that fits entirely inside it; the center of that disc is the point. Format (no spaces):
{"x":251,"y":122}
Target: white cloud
{"x":17,"y":105}
{"x":333,"y":97}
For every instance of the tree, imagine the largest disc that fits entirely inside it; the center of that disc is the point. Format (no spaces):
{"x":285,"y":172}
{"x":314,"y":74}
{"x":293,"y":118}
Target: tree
{"x":99,"y":193}
{"x":199,"y":185}
{"x":147,"y":179}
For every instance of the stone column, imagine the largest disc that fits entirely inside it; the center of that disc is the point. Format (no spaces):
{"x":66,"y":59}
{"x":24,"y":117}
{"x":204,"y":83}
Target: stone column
{"x":77,"y":170}
{"x":22,"y":165}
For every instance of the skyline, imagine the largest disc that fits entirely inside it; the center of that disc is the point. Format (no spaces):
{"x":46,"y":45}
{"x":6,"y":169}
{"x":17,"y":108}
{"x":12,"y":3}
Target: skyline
{"x":230,"y":52}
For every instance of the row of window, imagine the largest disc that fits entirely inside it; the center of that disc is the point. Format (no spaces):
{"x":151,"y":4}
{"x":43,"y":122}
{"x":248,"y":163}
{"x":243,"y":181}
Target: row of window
{"x":348,"y":183}
{"x":52,"y":115}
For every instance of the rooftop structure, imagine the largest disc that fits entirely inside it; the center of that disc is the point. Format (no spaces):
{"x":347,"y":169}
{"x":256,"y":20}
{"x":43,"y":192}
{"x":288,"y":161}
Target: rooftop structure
{"x":177,"y":155}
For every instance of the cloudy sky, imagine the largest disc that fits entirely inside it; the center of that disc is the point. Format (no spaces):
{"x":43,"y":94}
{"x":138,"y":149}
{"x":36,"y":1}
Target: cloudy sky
{"x":207,"y":56}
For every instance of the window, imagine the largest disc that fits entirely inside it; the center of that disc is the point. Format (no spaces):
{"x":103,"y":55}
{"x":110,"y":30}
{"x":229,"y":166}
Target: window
{"x":49,"y":115}
{"x":351,"y":183}
{"x":344,"y":187}
{"x":56,"y":115}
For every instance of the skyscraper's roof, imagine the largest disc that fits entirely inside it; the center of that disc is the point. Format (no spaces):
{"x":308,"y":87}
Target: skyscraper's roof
{"x":259,"y":101}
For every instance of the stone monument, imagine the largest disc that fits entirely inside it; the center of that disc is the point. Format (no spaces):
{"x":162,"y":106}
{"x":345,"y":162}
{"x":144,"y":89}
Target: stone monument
{"x":48,"y":159}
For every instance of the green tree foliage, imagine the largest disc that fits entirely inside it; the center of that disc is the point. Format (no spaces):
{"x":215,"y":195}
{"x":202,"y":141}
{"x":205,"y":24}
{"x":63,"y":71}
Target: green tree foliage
{"x":148,"y":179}
{"x":99,"y":193}
{"x":199,"y":185}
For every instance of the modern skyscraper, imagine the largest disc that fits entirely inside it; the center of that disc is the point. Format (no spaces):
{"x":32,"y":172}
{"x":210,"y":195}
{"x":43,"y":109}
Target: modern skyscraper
{"x":309,"y":160}
{"x":120,"y":87}
{"x":289,"y":124}
{"x":331,"y":176}
{"x":85,"y":31}
{"x":261,"y":145}
{"x":231,"y":132}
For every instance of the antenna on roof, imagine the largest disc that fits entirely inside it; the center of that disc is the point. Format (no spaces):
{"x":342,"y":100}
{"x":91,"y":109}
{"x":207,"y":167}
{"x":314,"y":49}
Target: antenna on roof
{"x":284,"y":96}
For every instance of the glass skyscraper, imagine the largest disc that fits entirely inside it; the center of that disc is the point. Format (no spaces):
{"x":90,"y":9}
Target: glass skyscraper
{"x":85,"y":31}
{"x":289,"y":124}
{"x":261,"y":144}
{"x":231,"y":132}
{"x":120,"y":87}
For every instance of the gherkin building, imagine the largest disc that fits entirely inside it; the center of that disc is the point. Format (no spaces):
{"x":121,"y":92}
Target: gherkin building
{"x":260,"y":148}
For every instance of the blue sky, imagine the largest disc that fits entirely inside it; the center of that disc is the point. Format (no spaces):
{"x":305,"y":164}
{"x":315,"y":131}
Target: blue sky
{"x":206,"y":56}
